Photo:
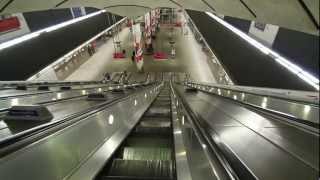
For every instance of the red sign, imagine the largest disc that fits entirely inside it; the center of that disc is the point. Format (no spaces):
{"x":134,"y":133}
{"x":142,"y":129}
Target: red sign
{"x":9,"y":24}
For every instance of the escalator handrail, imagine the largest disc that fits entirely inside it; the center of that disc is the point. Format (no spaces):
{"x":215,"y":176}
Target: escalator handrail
{"x":216,"y":148}
{"x":48,"y":83}
{"x":17,"y":141}
{"x":56,"y":91}
{"x":303,"y":115}
{"x":307,"y":97}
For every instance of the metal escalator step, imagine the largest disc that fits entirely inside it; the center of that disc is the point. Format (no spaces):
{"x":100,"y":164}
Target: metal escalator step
{"x":149,"y":153}
{"x":161,"y":103}
{"x":138,"y":169}
{"x":163,"y":95}
{"x":160,"y":119}
{"x":158,"y":111}
{"x":156,"y":131}
{"x":163,"y":98}
{"x":155,"y":123}
{"x":160,"y":142}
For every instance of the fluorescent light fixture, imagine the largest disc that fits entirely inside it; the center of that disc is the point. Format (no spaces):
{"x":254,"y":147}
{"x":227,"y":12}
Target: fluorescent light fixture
{"x":307,"y":77}
{"x":253,"y":42}
{"x":26,"y":37}
{"x":316,"y":86}
{"x":18,"y":40}
{"x":67,"y":23}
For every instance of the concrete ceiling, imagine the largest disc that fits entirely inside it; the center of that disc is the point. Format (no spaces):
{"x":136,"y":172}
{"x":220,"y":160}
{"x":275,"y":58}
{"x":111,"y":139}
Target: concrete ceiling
{"x":301,"y":15}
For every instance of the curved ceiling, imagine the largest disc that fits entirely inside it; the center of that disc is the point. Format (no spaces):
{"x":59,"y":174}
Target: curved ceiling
{"x":301,"y":15}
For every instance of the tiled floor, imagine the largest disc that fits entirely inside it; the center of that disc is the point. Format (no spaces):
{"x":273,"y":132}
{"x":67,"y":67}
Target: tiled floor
{"x":189,"y":58}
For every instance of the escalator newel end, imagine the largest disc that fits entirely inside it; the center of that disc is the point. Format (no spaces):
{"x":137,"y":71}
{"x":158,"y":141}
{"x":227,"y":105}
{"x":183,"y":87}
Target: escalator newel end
{"x":65,"y":88}
{"x":21,"y":87}
{"x":43,"y":88}
{"x":25,"y":113}
{"x":97,"y":97}
{"x":191,"y":89}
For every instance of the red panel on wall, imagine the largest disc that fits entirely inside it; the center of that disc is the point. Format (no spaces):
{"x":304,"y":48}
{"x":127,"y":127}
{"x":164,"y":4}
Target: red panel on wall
{"x":9,"y":24}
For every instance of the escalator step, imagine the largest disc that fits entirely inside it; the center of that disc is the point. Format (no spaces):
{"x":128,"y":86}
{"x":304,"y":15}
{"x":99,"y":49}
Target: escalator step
{"x":140,"y":153}
{"x":161,"y":103}
{"x":165,"y":98}
{"x":155,"y":123}
{"x":158,"y":111}
{"x":160,"y":119}
{"x":148,"y":142}
{"x":163,"y":95}
{"x":156,"y":131}
{"x":138,"y":169}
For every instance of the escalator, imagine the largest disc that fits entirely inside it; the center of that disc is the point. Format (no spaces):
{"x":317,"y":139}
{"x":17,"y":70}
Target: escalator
{"x":161,"y":133}
{"x":147,"y":153}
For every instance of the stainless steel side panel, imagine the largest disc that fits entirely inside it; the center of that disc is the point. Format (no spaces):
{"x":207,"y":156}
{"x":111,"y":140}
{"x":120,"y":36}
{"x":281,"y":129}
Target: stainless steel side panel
{"x":269,"y":148}
{"x":192,"y":158}
{"x":63,"y":153}
{"x":53,"y":88}
{"x":47,"y":97}
{"x":182,"y":165}
{"x":301,"y":111}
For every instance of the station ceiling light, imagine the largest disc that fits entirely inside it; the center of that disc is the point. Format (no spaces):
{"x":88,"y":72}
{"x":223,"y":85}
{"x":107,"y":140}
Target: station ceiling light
{"x":302,"y":74}
{"x":29,"y":36}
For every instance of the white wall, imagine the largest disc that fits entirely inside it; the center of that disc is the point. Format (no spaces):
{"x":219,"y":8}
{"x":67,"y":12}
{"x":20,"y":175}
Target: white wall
{"x":47,"y":75}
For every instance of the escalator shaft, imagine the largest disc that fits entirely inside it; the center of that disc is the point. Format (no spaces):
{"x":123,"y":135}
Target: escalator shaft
{"x":147,"y":153}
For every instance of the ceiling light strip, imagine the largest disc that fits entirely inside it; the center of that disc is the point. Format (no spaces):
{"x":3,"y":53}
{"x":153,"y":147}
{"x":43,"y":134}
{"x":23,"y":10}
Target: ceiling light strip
{"x":302,"y":74}
{"x":27,"y":37}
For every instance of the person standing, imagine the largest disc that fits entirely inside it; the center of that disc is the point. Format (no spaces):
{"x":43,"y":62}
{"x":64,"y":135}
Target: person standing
{"x":173,"y":52}
{"x":133,"y":56}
